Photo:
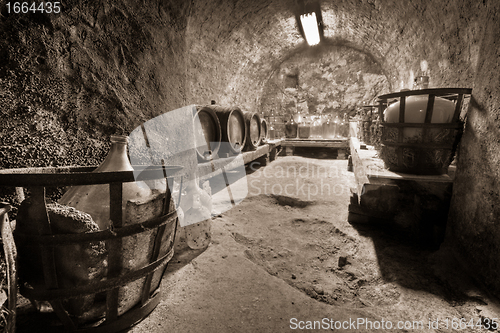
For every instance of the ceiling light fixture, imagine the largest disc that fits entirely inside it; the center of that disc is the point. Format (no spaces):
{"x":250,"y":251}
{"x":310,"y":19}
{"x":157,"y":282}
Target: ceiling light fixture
{"x":309,"y":21}
{"x":310,"y":27}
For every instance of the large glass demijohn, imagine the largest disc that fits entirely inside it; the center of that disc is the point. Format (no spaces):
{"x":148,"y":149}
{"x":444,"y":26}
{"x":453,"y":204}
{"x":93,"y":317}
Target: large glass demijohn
{"x":94,"y":199}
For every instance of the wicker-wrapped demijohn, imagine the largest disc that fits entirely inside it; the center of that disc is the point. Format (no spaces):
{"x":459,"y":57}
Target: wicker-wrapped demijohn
{"x":422,"y":129}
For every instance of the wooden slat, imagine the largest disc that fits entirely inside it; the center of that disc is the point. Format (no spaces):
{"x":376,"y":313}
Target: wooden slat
{"x":402,"y":105}
{"x":114,"y":248}
{"x":434,"y":91}
{"x":421,"y":125}
{"x":38,"y":214}
{"x":340,"y":143}
{"x":10,"y":253}
{"x":399,"y":151}
{"x":97,"y":236}
{"x":416,"y":145}
{"x":78,"y":176}
{"x":430,"y":109}
{"x":97,"y":286}
{"x":127,"y":319}
{"x":157,"y":244}
{"x":458,"y":108}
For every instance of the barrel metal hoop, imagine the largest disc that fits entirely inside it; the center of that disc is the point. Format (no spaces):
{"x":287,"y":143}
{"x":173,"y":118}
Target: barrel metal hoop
{"x":127,"y":319}
{"x":95,"y":287}
{"x":69,"y":239}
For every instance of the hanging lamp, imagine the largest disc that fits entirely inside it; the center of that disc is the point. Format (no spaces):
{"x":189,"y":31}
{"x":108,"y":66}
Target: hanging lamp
{"x":310,"y":21}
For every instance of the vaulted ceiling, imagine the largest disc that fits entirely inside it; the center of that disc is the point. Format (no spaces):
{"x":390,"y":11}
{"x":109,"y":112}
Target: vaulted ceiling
{"x":235,"y":46}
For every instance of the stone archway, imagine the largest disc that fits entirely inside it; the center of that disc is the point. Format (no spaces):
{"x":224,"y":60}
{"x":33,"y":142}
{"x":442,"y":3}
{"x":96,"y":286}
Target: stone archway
{"x":334,"y":78}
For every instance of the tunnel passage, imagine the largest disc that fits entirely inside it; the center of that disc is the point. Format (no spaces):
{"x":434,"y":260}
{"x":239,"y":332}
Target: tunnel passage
{"x":330,"y":79}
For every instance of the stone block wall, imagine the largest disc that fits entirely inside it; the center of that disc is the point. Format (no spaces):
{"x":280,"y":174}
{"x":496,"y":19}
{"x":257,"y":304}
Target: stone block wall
{"x":331,"y":79}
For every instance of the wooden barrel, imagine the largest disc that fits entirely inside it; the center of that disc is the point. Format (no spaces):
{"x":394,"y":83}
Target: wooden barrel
{"x":264,"y":131}
{"x":233,"y":129}
{"x":253,"y":125}
{"x":208,"y":135}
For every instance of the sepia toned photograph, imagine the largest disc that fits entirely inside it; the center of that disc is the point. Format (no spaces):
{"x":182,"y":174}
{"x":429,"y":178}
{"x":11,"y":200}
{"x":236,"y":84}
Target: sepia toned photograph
{"x":227,"y":166}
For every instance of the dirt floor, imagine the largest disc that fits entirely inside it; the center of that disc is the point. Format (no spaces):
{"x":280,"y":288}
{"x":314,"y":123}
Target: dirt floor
{"x":286,"y":257}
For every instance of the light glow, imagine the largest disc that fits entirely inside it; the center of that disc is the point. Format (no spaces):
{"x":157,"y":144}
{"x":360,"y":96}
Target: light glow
{"x":423,"y":67}
{"x":310,"y":27}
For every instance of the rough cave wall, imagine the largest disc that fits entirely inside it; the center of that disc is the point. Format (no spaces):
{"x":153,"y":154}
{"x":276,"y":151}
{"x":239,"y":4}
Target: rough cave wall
{"x":235,"y":47}
{"x":474,"y":220}
{"x":232,"y":48}
{"x":69,"y":80}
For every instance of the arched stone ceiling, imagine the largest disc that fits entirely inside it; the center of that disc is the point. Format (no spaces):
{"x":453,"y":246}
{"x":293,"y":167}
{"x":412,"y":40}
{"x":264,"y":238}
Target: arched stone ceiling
{"x":234,"y":46}
{"x":105,"y":67}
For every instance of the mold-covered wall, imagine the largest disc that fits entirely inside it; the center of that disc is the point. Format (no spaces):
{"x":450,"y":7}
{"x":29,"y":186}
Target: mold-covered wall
{"x":474,"y":220}
{"x":69,"y":80}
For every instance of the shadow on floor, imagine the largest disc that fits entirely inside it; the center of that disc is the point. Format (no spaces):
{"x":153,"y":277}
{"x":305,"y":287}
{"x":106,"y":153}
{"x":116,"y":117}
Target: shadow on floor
{"x":316,"y":152}
{"x":30,"y":320}
{"x":404,"y":260}
{"x":183,"y":255}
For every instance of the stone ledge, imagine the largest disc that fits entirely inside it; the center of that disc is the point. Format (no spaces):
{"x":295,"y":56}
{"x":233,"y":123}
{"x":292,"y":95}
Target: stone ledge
{"x":213,"y":168}
{"x":418,"y":204}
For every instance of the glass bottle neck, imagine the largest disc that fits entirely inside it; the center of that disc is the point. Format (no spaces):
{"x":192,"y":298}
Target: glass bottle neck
{"x":117,"y":159}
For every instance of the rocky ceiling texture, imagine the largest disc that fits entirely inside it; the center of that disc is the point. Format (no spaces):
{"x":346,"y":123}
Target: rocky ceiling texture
{"x":69,"y":80}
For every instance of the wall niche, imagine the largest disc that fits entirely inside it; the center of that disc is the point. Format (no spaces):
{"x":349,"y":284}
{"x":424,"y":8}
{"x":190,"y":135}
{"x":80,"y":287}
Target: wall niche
{"x":329,"y":80}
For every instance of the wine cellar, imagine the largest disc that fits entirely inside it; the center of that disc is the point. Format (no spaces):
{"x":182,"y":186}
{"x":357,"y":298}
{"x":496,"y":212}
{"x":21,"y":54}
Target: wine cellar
{"x":249,"y":166}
